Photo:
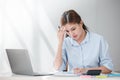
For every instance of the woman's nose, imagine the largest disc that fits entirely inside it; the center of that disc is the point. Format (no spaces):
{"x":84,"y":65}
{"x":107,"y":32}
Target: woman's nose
{"x":72,"y":33}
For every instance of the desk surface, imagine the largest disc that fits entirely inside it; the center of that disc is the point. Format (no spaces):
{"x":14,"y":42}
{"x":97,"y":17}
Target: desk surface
{"x":53,"y":78}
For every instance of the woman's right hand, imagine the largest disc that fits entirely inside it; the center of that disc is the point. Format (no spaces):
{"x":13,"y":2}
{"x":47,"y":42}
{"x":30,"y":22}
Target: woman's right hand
{"x":61,"y":34}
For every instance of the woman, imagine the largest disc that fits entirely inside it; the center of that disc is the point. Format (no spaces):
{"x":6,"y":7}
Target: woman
{"x":81,"y":50}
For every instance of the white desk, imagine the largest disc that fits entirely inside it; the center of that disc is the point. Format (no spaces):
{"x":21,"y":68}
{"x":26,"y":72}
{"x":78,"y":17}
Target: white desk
{"x":53,"y":78}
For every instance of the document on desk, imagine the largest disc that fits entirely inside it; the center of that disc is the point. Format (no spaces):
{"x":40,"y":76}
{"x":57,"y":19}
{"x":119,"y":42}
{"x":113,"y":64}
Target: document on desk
{"x":114,"y":75}
{"x":67,"y":74}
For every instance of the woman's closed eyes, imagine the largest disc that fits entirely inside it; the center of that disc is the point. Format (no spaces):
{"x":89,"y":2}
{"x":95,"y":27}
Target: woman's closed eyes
{"x":72,"y":29}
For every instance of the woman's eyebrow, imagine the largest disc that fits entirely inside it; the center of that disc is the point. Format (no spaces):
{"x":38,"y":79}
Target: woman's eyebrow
{"x":72,"y":27}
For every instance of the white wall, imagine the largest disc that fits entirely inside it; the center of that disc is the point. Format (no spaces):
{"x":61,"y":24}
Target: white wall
{"x":86,"y":8}
{"x":108,"y":24}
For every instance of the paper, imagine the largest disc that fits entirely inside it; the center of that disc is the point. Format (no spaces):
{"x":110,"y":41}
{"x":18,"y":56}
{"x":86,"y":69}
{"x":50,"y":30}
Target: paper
{"x":69,"y":74}
{"x":101,"y":76}
{"x":114,"y":75}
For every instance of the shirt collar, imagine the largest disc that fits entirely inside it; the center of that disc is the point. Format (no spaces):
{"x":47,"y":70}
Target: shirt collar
{"x":86,"y":39}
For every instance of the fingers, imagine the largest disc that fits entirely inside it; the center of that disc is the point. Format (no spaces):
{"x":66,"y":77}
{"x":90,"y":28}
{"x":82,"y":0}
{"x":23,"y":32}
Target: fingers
{"x":76,"y":70}
{"x":79,"y":70}
{"x":61,"y":28}
{"x":61,"y":33}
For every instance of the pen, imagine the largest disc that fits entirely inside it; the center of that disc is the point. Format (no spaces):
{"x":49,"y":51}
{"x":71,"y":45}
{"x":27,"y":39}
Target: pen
{"x":58,"y":27}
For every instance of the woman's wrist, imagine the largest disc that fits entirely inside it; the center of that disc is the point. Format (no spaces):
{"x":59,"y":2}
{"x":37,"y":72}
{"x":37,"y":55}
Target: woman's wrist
{"x":60,"y":43}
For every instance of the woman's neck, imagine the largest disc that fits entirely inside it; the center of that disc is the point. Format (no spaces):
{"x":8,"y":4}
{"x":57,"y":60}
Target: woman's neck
{"x":82,"y":37}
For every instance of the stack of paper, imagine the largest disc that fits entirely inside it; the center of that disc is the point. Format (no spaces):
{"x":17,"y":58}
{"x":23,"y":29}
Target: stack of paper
{"x":69,"y":74}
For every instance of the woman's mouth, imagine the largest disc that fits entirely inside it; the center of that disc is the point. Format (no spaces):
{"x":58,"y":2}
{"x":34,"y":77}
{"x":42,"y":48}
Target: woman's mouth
{"x":74,"y":36}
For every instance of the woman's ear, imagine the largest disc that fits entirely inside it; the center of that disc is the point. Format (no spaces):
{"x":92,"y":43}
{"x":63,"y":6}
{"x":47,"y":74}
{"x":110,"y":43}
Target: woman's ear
{"x":81,"y":22}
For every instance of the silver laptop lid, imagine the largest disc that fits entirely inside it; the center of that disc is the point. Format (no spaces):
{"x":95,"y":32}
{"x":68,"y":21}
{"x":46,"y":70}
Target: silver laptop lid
{"x":20,"y":61}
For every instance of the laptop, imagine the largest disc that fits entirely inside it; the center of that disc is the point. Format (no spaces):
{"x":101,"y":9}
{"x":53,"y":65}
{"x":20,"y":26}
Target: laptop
{"x":20,"y":63}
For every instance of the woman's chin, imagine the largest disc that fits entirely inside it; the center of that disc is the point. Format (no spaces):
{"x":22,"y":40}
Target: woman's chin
{"x":75,"y":39}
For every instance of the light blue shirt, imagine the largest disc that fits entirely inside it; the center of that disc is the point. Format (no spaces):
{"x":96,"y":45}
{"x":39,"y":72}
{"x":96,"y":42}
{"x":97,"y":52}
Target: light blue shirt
{"x":90,"y":53}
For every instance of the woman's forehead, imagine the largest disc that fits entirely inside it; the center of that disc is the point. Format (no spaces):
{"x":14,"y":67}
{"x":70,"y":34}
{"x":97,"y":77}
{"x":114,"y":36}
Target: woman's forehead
{"x":69,"y":26}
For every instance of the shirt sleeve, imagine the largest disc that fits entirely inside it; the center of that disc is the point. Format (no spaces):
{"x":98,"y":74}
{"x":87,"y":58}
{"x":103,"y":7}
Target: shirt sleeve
{"x":105,"y":59}
{"x":64,"y":58}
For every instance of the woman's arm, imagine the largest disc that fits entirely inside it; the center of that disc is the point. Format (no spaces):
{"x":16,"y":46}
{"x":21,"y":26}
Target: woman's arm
{"x":105,"y":70}
{"x":58,"y":58}
{"x":102,"y":68}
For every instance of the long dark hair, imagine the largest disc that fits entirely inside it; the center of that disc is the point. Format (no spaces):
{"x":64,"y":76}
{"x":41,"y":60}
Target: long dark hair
{"x":71,"y":16}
